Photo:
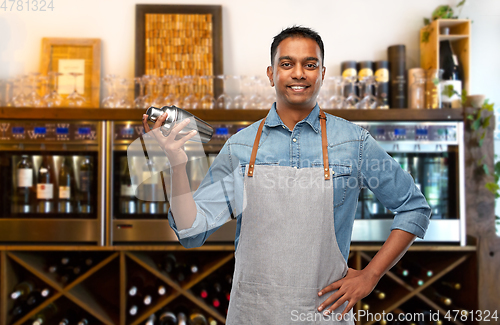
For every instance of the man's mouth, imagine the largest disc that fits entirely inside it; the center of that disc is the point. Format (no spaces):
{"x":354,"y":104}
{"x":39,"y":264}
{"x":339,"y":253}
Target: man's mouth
{"x":298,"y":88}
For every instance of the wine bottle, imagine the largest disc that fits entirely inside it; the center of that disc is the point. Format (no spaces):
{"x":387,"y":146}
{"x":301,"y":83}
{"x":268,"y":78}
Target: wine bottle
{"x":43,"y":316}
{"x":168,"y":263}
{"x":397,"y":70}
{"x":151,"y":320}
{"x":451,"y":76}
{"x":149,"y":294}
{"x":181,"y":318}
{"x":440,"y":298}
{"x":83,"y":321}
{"x":400,"y":270}
{"x":416,"y":281}
{"x":197,"y":318}
{"x":365,"y":69}
{"x":45,"y":186}
{"x":453,"y":285}
{"x":128,"y":201}
{"x":19,"y":309}
{"x":417,"y":269}
{"x":133,"y":310}
{"x":348,"y":70}
{"x":193,"y":265}
{"x":136,"y":284}
{"x":162,"y":290}
{"x":25,"y":191}
{"x":37,"y":296}
{"x":66,"y":187}
{"x":22,"y":289}
{"x":211,"y":321}
{"x":86,"y":176}
{"x":379,"y":294}
{"x":167,"y":318}
{"x":203,"y":291}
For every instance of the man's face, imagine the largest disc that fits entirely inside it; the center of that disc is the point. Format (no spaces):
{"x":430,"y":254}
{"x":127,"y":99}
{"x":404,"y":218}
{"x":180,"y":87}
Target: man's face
{"x":297,"y":73}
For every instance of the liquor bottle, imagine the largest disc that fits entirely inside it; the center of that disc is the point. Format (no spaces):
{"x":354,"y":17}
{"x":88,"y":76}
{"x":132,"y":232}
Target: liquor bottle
{"x":25,"y":185}
{"x":453,"y":285}
{"x":365,"y":69}
{"x":348,"y":71}
{"x":167,"y":318}
{"x":151,"y":189}
{"x":45,"y":186}
{"x":66,"y":187}
{"x":397,"y":70}
{"x":128,"y":201}
{"x":452,"y":77}
{"x":43,"y":316}
{"x":382,"y":78}
{"x":22,"y":289}
{"x":86,"y":175}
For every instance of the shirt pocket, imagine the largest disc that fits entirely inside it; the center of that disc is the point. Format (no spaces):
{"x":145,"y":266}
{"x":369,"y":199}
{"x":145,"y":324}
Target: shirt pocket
{"x":242,"y":168}
{"x":341,"y":179}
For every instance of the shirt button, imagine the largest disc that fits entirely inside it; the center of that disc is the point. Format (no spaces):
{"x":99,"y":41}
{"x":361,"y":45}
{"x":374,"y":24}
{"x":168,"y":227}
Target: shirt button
{"x":294,"y":140}
{"x":283,"y":127}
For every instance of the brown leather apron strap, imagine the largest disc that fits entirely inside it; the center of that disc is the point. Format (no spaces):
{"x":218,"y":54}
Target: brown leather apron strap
{"x":254,"y":149}
{"x":324,"y":145}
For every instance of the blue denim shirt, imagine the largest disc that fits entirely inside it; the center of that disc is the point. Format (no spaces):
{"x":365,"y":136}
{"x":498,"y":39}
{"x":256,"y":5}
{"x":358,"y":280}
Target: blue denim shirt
{"x":355,"y":158}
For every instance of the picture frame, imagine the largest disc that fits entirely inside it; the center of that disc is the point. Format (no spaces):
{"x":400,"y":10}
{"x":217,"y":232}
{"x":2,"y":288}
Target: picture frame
{"x":156,"y":53}
{"x":86,"y":53}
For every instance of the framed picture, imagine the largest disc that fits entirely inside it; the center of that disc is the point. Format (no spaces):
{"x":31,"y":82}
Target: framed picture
{"x":180,"y":41}
{"x":79,"y":61}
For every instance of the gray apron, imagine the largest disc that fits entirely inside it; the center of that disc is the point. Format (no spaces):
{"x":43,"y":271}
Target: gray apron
{"x":287,"y":248}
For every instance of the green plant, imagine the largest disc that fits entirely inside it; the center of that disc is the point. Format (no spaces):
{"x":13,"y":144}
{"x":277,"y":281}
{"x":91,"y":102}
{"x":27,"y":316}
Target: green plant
{"x":441,"y":12}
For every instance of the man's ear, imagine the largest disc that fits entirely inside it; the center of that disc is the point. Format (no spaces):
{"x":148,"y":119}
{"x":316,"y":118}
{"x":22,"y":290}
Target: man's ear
{"x":270,"y":75}
{"x":323,"y":75}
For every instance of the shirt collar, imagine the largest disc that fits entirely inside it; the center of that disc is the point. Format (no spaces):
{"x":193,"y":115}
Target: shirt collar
{"x":273,"y":119}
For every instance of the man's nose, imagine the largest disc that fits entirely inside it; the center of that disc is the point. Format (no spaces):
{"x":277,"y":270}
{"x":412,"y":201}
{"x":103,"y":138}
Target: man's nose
{"x":298,"y":72}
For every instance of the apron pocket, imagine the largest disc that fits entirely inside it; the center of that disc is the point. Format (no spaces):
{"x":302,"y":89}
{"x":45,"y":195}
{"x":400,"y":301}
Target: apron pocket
{"x":257,"y":303}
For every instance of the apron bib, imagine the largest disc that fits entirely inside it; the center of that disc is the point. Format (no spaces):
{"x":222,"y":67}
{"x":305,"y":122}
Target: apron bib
{"x":287,"y":248}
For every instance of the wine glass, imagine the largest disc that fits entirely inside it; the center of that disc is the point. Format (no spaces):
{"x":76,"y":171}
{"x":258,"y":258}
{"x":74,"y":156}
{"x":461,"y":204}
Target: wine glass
{"x":160,"y":86}
{"x":123,"y":100}
{"x":52,"y":98}
{"x":240,"y":99}
{"x":110,"y":100}
{"x":190,"y":100}
{"x":207,"y":101}
{"x":368,"y":101}
{"x":224,"y":101}
{"x":18,"y":96}
{"x":33,"y":99}
{"x":75,"y":99}
{"x":140,"y":102}
{"x":351,"y":101}
{"x":255,"y":100}
{"x":336,"y":87}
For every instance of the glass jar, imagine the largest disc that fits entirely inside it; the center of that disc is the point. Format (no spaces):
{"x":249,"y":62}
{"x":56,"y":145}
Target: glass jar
{"x":417,"y":93}
{"x":433,"y":89}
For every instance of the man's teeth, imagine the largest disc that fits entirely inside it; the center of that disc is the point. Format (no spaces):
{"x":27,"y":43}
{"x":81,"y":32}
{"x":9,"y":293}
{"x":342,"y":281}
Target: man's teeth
{"x":297,"y":87}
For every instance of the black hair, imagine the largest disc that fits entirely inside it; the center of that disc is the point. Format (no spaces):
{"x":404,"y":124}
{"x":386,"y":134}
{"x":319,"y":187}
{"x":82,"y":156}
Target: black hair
{"x":297,"y":31}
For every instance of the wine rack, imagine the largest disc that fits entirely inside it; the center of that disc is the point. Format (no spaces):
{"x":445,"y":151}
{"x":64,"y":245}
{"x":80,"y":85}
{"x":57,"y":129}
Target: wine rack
{"x":100,"y":292}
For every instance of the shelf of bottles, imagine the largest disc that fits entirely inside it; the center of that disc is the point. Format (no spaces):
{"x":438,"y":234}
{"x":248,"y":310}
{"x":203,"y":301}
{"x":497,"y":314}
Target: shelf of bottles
{"x":175,"y":286}
{"x":423,"y":289}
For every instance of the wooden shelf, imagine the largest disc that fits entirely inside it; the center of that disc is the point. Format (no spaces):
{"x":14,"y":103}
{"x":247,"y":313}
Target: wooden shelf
{"x":231,"y":115}
{"x":452,"y":37}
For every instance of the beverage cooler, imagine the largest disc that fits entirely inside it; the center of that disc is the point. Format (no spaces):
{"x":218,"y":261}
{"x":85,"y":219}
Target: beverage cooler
{"x":51,"y":182}
{"x":433,"y":153}
{"x":135,"y":219}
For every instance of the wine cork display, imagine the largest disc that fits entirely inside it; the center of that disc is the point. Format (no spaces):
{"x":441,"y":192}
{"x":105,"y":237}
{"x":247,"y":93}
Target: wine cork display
{"x":180,"y":45}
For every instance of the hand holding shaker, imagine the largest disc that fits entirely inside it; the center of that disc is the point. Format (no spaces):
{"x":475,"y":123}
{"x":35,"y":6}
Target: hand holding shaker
{"x":177,"y":115}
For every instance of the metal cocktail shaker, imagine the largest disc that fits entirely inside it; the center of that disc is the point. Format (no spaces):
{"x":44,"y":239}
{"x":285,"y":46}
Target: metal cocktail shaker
{"x":176,"y":115}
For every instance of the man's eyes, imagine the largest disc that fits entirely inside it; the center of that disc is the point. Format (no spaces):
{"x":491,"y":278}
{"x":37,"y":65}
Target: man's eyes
{"x":308,"y":65}
{"x":312,"y":65}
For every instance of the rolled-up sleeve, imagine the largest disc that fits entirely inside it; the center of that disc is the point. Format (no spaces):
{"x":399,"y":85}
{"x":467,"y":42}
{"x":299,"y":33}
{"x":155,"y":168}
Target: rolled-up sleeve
{"x":214,"y":200}
{"x":394,"y":188}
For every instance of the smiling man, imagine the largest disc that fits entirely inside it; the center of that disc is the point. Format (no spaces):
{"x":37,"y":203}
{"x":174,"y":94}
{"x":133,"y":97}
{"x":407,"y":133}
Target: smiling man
{"x":292,"y":180}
